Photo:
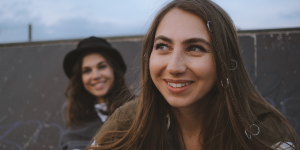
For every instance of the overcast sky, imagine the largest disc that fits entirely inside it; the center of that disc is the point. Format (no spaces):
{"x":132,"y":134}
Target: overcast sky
{"x":71,"y":19}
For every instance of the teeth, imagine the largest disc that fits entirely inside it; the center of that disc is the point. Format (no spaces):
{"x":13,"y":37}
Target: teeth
{"x":99,"y":84}
{"x":176,"y":85}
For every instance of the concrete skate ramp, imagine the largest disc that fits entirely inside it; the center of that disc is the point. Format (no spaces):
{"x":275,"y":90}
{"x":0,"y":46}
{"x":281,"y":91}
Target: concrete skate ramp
{"x":32,"y":82}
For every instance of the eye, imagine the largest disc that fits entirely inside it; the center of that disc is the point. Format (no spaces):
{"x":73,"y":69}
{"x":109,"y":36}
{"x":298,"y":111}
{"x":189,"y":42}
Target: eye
{"x":196,"y":48}
{"x":161,"y":46}
{"x":102,"y":66}
{"x":86,"y":71}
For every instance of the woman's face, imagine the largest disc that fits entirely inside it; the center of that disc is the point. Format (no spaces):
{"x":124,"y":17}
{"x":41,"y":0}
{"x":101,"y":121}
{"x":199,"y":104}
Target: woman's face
{"x":97,"y":75}
{"x":181,"y":62}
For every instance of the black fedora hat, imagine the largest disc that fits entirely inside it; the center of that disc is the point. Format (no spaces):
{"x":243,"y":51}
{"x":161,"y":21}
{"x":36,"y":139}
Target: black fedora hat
{"x":91,"y":44}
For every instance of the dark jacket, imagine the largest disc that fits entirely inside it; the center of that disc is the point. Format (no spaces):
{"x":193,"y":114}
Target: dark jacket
{"x":79,"y":135}
{"x":123,"y":117}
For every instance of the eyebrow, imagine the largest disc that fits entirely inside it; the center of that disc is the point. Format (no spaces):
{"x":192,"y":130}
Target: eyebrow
{"x":194,"y":40}
{"x":100,"y":63}
{"x":161,"y":37}
{"x":188,"y":41}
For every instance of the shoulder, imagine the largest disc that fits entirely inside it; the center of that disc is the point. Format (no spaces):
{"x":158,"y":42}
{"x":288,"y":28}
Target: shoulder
{"x":266,"y":116}
{"x":79,"y":134}
{"x":121,"y":119}
{"x":125,"y":112}
{"x":283,"y":146}
{"x":271,"y":127}
{"x":128,"y":110}
{"x":83,"y":129}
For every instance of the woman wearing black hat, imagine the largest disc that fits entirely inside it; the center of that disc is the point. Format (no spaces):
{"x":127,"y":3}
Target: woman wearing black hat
{"x":96,"y":88}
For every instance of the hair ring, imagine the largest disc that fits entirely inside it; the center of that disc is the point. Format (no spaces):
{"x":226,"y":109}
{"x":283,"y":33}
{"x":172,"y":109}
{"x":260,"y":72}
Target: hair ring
{"x":235,"y":65}
{"x":168,"y":121}
{"x":227,"y":82}
{"x":249,"y":135}
{"x":208,"y":26}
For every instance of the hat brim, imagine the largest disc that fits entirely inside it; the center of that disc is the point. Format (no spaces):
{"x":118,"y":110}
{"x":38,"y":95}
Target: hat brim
{"x":71,"y":57}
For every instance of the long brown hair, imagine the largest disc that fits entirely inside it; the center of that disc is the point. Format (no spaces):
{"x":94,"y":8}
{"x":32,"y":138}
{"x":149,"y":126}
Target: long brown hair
{"x":235,"y":108}
{"x":81,"y":103}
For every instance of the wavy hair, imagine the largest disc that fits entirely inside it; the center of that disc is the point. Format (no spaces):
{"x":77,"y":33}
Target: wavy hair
{"x":233,"y":106}
{"x":81,"y":103}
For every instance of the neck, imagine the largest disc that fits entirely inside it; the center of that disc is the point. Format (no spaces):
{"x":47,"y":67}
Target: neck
{"x":189,"y":120}
{"x":100,"y":100}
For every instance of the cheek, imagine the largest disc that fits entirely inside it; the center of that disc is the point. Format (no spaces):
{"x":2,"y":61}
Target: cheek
{"x":205,"y":69}
{"x":151,"y":66}
{"x":212,"y":70}
{"x":109,"y":73}
{"x":112,"y":77}
{"x":154,"y":66}
{"x":85,"y":79}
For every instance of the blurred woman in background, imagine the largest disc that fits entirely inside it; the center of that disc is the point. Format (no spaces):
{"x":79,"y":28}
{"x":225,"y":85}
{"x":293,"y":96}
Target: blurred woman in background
{"x":196,"y":93}
{"x":96,"y":71}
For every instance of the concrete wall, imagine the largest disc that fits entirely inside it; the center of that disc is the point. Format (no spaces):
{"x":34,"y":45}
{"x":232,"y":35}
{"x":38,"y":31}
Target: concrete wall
{"x":32,"y":82}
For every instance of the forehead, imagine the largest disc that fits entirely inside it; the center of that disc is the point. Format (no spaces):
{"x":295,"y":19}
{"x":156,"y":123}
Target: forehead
{"x":92,"y":59}
{"x":179,"y":24}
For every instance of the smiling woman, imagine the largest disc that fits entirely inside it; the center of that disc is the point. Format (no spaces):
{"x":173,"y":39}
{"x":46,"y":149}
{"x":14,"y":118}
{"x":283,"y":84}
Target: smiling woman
{"x":97,"y":75}
{"x":196,"y":93}
{"x":182,"y":67}
{"x":96,"y":72}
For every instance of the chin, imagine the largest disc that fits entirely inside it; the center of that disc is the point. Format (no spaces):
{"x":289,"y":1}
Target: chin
{"x":99,"y":94}
{"x":178,"y":102}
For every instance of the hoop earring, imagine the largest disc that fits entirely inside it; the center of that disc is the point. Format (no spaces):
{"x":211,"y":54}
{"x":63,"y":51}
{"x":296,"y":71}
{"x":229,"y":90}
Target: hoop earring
{"x":168,"y":121}
{"x":208,"y":26}
{"x":235,"y":65}
{"x":227,"y":83}
{"x":249,"y":135}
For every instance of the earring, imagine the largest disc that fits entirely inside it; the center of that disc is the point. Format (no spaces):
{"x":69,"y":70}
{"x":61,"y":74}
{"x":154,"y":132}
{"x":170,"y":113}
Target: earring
{"x":208,"y":26}
{"x":249,"y":135}
{"x":235,"y":65}
{"x":168,"y":121}
{"x":227,"y":83}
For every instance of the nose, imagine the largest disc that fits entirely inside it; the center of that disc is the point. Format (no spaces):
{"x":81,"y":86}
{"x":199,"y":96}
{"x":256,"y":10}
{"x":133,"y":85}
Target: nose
{"x":96,"y":74}
{"x":176,"y":64}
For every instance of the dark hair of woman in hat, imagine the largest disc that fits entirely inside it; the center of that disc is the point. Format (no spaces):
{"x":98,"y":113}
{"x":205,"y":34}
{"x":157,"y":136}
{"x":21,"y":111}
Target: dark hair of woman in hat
{"x":196,"y":93}
{"x":96,"y":82}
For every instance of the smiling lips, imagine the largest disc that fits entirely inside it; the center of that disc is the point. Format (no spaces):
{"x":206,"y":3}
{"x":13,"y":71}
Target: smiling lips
{"x":99,"y":85}
{"x":178,"y":86}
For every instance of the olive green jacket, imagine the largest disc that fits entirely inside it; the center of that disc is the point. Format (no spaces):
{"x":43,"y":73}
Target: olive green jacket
{"x":123,"y":117}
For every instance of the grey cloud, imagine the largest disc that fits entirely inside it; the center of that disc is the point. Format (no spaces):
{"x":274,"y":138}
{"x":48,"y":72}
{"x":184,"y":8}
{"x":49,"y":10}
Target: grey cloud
{"x":80,"y":28}
{"x":65,"y":29}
